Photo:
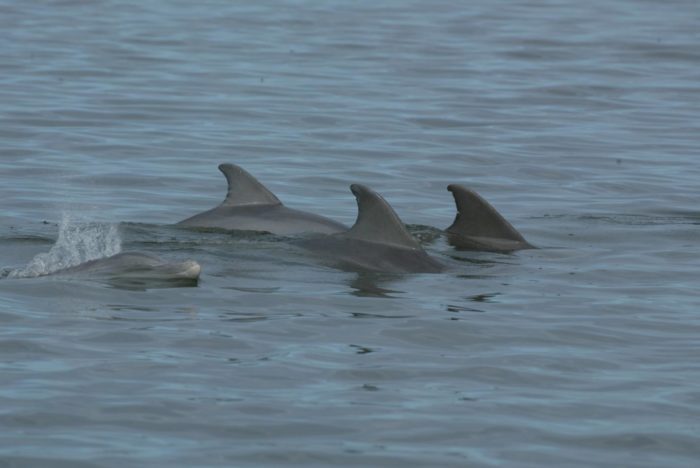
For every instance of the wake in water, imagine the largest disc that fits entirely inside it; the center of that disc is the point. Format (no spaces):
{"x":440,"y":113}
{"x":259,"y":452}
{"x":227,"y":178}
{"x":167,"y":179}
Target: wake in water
{"x":77,"y":243}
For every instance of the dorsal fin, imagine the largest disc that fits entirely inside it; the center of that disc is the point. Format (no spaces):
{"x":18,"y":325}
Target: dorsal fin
{"x":477,"y":218}
{"x":244,"y":189}
{"x":377,"y":221}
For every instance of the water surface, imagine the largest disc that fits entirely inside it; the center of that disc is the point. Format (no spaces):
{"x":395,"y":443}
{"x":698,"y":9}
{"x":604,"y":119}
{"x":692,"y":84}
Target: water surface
{"x":578,"y":121}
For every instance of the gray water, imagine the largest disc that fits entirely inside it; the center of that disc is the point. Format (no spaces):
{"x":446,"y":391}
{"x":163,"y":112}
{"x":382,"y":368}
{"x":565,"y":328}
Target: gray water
{"x":579,"y":121}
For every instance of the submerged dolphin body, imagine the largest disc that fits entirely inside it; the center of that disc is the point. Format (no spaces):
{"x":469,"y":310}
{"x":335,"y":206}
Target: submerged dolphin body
{"x":478,"y":226}
{"x":249,"y":205}
{"x":378,"y":241}
{"x":137,"y":267}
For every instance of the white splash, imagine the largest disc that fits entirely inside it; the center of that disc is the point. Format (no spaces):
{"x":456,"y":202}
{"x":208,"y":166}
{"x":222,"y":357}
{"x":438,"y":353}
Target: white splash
{"x":77,"y":243}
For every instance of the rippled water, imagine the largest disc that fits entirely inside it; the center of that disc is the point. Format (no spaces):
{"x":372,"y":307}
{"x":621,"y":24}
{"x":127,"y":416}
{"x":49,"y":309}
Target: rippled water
{"x":577,"y":120}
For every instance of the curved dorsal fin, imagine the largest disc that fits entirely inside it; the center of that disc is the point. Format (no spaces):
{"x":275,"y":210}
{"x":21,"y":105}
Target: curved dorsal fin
{"x":244,"y":189}
{"x":377,"y":221}
{"x":476,"y":217}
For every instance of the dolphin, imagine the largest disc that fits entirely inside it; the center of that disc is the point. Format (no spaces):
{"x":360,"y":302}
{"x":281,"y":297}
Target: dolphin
{"x":135,"y":264}
{"x":378,"y":241}
{"x":478,"y":226}
{"x":129,"y":269}
{"x":249,"y":205}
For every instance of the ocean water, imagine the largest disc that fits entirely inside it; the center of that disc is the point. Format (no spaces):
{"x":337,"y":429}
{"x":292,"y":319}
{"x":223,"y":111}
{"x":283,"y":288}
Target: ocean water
{"x":579,"y":121}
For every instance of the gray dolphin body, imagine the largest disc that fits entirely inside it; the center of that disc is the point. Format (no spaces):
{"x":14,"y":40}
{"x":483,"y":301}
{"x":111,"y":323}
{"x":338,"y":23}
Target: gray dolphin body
{"x":134,"y":265}
{"x":478,"y":226}
{"x":378,"y":241}
{"x":249,"y":205}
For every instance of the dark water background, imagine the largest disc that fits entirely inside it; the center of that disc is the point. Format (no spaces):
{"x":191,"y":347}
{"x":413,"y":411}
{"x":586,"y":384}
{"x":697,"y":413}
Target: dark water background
{"x":579,"y":121}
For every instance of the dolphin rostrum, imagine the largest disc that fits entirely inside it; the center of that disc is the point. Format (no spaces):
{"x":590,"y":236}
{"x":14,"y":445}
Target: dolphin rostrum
{"x":250,"y":206}
{"x":378,"y":241}
{"x":478,"y":226}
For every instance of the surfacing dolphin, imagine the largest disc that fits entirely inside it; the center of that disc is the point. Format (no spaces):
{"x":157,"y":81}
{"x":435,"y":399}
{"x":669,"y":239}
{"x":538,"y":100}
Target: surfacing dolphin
{"x":378,"y":241}
{"x":135,"y":264}
{"x":478,"y":226}
{"x":250,"y":206}
{"x":133,"y":269}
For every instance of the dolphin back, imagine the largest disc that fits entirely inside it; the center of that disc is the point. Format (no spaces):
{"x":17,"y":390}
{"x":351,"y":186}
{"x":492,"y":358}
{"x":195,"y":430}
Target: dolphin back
{"x":250,"y":206}
{"x":135,"y":264}
{"x":378,"y":241}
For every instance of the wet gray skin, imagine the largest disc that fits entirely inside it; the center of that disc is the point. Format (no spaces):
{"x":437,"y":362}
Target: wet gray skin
{"x":136,"y":266}
{"x":249,"y":205}
{"x":478,"y":226}
{"x":378,"y":241}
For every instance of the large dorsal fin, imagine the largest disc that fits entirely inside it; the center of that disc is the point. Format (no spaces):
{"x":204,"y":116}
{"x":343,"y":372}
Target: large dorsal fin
{"x":244,"y":189}
{"x":377,"y":221}
{"x":477,"y":218}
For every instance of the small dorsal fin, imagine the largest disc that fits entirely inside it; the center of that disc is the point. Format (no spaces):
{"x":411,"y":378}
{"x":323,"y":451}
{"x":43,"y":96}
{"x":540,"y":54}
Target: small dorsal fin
{"x":377,"y":221}
{"x":244,"y":189}
{"x":477,"y":218}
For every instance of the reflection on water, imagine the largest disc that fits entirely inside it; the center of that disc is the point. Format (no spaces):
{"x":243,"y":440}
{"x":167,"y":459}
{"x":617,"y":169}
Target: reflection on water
{"x":458,"y":308}
{"x":368,"y":284}
{"x":143,"y":284}
{"x":483,"y":297}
